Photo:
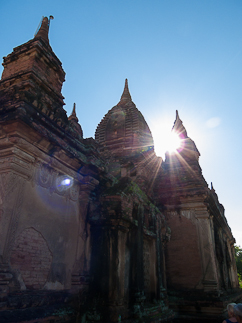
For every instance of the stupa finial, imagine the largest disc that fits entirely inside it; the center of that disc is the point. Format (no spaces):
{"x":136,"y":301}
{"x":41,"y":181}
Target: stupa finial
{"x":43,"y":31}
{"x":179,"y":128}
{"x":126,"y":97}
{"x":73,"y":114}
{"x":74,"y":110}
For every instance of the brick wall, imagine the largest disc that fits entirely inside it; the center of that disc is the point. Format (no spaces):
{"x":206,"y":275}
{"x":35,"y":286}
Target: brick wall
{"x":183,"y":257}
{"x":22,"y":64}
{"x":31,"y":258}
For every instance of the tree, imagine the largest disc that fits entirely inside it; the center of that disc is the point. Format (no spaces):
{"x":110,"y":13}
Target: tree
{"x":238,"y":258}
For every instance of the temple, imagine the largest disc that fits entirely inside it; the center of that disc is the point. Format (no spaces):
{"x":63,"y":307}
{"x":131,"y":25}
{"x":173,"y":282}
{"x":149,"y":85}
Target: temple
{"x":101,"y":230}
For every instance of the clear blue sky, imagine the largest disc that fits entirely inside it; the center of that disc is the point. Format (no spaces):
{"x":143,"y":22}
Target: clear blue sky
{"x":177,"y":55}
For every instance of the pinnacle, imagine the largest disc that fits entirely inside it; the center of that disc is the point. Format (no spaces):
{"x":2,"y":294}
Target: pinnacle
{"x":73,"y":114}
{"x":74,"y":110}
{"x":44,"y":30}
{"x":126,"y":97}
{"x":177,"y":115}
{"x":178,"y":127}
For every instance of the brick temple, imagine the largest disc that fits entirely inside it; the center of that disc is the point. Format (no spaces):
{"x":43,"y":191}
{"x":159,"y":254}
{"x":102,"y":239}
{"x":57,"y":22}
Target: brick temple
{"x":101,"y":230}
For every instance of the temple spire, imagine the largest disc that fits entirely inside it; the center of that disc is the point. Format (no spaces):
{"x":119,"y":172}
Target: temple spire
{"x":179,"y":128}
{"x":75,"y":127}
{"x":126,"y":97}
{"x":212,"y":189}
{"x":44,"y":29}
{"x":73,"y":114}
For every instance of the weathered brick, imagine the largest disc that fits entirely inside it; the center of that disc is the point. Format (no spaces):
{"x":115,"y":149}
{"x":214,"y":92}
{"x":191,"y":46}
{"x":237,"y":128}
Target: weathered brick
{"x":34,"y":269}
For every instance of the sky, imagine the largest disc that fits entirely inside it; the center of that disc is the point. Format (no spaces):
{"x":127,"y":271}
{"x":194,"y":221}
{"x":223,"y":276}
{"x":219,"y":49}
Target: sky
{"x":183,"y":55}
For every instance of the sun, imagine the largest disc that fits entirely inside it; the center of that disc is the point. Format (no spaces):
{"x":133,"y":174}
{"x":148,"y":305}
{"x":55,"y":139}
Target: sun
{"x":173,"y":142}
{"x":165,"y":140}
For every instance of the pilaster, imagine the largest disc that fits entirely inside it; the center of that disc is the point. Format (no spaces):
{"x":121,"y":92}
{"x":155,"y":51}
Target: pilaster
{"x":209,"y":272}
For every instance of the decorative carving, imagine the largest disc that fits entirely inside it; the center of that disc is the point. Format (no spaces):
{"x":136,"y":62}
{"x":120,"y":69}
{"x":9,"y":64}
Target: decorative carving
{"x":74,"y":192}
{"x":61,"y":184}
{"x":45,"y":176}
{"x":171,"y":213}
{"x":186,"y":214}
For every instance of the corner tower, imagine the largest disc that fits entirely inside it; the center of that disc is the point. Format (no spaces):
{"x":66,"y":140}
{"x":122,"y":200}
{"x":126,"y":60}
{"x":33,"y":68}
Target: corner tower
{"x":123,"y":130}
{"x":33,"y":76}
{"x":201,"y":239}
{"x":47,"y":174}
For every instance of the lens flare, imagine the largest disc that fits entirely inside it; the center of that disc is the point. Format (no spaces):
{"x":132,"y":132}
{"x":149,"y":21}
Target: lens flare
{"x":63,"y":183}
{"x":66,"y":182}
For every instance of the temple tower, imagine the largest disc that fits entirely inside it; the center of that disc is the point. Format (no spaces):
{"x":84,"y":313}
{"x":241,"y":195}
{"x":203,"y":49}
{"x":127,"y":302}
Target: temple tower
{"x":33,"y":74}
{"x":101,"y":230}
{"x":125,"y":138}
{"x":200,"y":254}
{"x":47,"y":174}
{"x":123,"y":129}
{"x":133,"y":272}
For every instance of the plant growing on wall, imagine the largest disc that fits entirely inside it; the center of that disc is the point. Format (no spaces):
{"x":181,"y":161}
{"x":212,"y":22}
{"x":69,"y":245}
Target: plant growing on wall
{"x":238,"y":258}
